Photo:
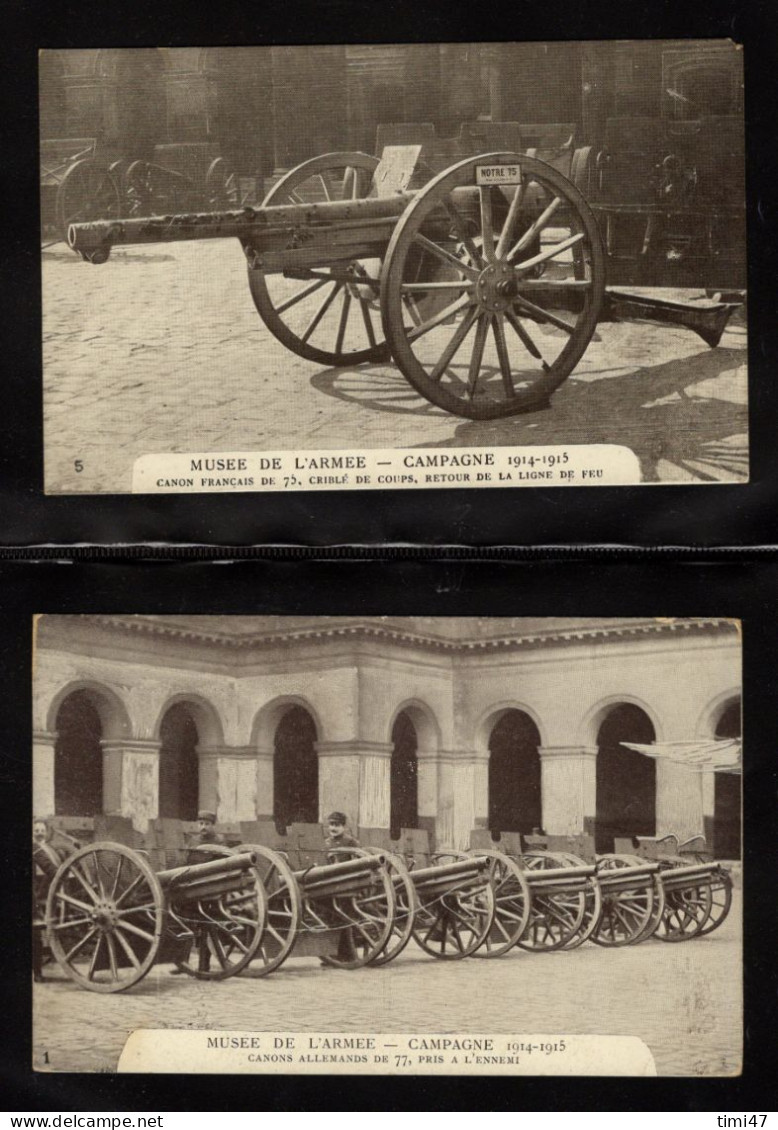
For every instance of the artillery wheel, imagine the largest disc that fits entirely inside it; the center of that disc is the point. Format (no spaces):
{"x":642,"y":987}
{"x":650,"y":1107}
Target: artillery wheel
{"x":222,"y":190}
{"x":556,"y":918}
{"x":284,"y":909}
{"x":327,"y":314}
{"x":499,"y":266}
{"x":454,"y":924}
{"x":592,"y":901}
{"x":104,"y":917}
{"x":227,"y":928}
{"x":511,"y":903}
{"x":407,"y":903}
{"x":721,"y":901}
{"x":686,"y":912}
{"x":88,"y":191}
{"x":629,"y":916}
{"x":365,"y":919}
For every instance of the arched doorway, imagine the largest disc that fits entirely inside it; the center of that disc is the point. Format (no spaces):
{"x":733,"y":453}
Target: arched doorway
{"x":626,"y":780}
{"x":179,"y":770}
{"x":139,"y":112}
{"x":295,"y":769}
{"x":726,"y":803}
{"x":404,"y":776}
{"x":514,"y":774}
{"x":78,"y":757}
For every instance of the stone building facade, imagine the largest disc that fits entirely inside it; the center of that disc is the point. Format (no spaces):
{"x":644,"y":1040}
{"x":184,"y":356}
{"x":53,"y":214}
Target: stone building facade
{"x":447,"y":724}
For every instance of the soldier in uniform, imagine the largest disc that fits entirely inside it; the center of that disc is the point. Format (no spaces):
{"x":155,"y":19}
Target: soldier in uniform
{"x":337,"y":836}
{"x":46,"y":860}
{"x":206,"y":828}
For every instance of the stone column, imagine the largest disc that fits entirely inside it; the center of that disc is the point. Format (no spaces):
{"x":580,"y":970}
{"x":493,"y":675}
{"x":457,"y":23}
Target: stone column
{"x":228,"y":782}
{"x":679,"y":800}
{"x":427,"y":782}
{"x":43,"y":744}
{"x":461,"y":797}
{"x":354,"y":777}
{"x":131,"y":779}
{"x":568,"y":789}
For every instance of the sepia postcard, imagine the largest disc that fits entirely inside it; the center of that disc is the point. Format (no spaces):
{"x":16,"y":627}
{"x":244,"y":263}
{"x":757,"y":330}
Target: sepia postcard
{"x":411,"y":266}
{"x":406,"y":845}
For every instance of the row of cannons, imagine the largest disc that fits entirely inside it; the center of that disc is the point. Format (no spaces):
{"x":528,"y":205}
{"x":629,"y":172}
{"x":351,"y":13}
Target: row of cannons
{"x":222,"y":910}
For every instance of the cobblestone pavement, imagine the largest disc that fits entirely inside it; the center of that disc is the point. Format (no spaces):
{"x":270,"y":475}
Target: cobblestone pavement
{"x":161,"y":349}
{"x":683,"y":1000}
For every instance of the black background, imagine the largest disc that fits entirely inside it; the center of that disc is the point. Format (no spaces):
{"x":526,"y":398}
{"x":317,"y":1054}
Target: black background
{"x":672,"y":515}
{"x":598,"y":586}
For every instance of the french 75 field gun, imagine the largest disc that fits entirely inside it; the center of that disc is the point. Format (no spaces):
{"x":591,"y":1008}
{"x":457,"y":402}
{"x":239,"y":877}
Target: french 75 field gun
{"x":485,"y":284}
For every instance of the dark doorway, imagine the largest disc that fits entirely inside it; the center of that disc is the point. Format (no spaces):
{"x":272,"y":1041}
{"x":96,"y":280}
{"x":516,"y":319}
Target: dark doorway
{"x":78,"y":757}
{"x":296,"y":769}
{"x":179,"y":771}
{"x":626,"y":779}
{"x":727,"y":794}
{"x":404,"y":783}
{"x":141,"y":107}
{"x":514,"y":774}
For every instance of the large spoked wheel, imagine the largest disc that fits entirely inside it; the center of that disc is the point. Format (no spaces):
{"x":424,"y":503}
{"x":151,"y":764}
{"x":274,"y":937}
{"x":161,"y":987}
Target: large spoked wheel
{"x":407,"y":903}
{"x":222,"y":190}
{"x":88,"y":191}
{"x":721,"y":901}
{"x":104,"y":917}
{"x":631,"y":908}
{"x":363,"y":919}
{"x":490,"y":295}
{"x":329,"y":313}
{"x":511,"y":903}
{"x":556,"y":915}
{"x":226,"y":928}
{"x":592,"y":899}
{"x":686,"y":913}
{"x":455,"y":923}
{"x":284,"y":909}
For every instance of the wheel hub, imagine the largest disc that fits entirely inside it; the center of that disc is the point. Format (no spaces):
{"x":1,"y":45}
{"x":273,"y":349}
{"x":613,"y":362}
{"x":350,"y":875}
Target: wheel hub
{"x":497,"y":287}
{"x":105,"y":915}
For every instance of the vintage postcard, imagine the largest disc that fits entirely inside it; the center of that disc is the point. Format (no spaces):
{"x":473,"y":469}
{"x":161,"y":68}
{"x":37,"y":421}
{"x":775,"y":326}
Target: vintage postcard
{"x":393,"y":266}
{"x":391,"y":845}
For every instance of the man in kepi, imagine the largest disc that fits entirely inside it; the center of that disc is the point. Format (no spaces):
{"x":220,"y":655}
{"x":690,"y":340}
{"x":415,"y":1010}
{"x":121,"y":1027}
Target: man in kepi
{"x":337,"y":836}
{"x":206,"y":828}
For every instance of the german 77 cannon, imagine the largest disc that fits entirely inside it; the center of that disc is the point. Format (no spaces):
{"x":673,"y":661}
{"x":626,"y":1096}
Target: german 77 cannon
{"x":110,"y":917}
{"x":489,"y":279}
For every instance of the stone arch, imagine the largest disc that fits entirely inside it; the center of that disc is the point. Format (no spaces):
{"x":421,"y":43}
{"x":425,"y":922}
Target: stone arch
{"x":205,"y":715}
{"x":404,"y":775}
{"x":490,"y":717}
{"x":625,"y":778}
{"x":597,"y":714}
{"x":514,"y":773}
{"x":113,"y":712}
{"x":714,"y":711}
{"x":267,"y":718}
{"x":179,"y":765}
{"x":425,"y":723}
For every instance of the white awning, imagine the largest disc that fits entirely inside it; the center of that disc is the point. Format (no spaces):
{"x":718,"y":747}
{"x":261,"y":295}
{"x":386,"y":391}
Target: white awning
{"x":722,"y":754}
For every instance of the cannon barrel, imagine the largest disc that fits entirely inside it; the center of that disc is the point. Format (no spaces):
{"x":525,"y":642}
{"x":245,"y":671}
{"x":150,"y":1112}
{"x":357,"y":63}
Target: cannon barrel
{"x":444,"y":872}
{"x":558,"y":876}
{"x":94,"y":240}
{"x":686,"y":876}
{"x":192,"y":873}
{"x":346,"y":869}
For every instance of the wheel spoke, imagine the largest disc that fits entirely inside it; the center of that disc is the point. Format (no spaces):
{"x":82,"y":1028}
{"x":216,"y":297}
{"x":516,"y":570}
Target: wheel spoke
{"x":545,"y":315}
{"x":365,"y":308}
{"x":131,"y":928}
{"x":93,"y":963}
{"x":324,"y":186}
{"x":446,"y":256}
{"x":302,"y":294}
{"x":478,"y":352}
{"x":487,"y":225}
{"x":127,"y":949}
{"x":550,"y":252}
{"x":76,"y":873}
{"x":440,"y":317}
{"x":115,"y":886}
{"x":112,"y":956}
{"x":81,"y":943}
{"x":534,"y":229}
{"x":457,"y":338}
{"x":128,"y":890}
{"x":502,"y":353}
{"x":510,"y":219}
{"x":343,"y":320}
{"x":464,"y":238}
{"x":446,"y":284}
{"x":71,"y":924}
{"x":317,"y":317}
{"x":62,"y":897}
{"x":524,"y":337}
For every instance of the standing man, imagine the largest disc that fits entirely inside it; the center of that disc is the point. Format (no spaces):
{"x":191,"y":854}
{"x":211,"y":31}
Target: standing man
{"x":337,"y":836}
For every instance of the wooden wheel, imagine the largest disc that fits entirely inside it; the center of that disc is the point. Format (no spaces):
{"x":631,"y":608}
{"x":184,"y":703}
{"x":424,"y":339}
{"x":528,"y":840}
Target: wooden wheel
{"x":632,"y":908}
{"x":556,"y":916}
{"x":227,"y":928}
{"x":405,"y":910}
{"x":222,"y":190}
{"x":721,"y":901}
{"x":88,"y":191}
{"x":489,"y":295}
{"x":284,"y":909}
{"x":104,"y":917}
{"x":454,"y":924}
{"x":592,"y":901}
{"x":511,"y":903}
{"x":363,"y":919}
{"x":686,"y":912}
{"x":327,"y":314}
